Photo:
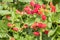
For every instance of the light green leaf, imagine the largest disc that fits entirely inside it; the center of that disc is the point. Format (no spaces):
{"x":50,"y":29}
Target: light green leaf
{"x":1,"y":7}
{"x":39,"y":1}
{"x":53,"y":38}
{"x":24,"y":0}
{"x":51,"y":32}
{"x":48,"y":0}
{"x":16,"y":35}
{"x":30,"y":21}
{"x":4,"y":12}
{"x":13,"y":16}
{"x":49,"y":25}
{"x":7,"y":0}
{"x":58,"y":30}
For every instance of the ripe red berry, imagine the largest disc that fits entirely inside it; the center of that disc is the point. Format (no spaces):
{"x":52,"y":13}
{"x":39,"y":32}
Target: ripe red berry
{"x":35,"y":10}
{"x":36,"y":33}
{"x":44,"y":25}
{"x":37,"y":6}
{"x":43,"y":6}
{"x":41,"y":25}
{"x":8,"y":17}
{"x":9,"y":24}
{"x":32,"y":12}
{"x":44,"y":17}
{"x":46,"y":31}
{"x":34,"y":25}
{"x":53,"y":9}
{"x":15,"y":29}
{"x":32,"y":3}
{"x":27,"y":10}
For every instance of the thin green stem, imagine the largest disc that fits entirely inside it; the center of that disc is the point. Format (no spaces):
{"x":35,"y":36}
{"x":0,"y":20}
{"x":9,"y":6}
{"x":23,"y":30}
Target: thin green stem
{"x":40,"y":35}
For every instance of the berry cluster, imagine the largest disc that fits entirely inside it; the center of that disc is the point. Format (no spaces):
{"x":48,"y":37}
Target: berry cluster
{"x":32,"y":9}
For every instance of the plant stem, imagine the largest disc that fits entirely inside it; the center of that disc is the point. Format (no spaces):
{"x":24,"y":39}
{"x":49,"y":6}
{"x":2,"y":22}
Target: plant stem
{"x":40,"y":35}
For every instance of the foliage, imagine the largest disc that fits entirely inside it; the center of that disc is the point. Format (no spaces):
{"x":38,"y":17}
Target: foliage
{"x":17,"y":23}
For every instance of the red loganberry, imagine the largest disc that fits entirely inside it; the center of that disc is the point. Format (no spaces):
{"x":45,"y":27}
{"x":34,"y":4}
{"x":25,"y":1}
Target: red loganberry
{"x":32,"y":12}
{"x":15,"y":29}
{"x":43,"y":6}
{"x":8,"y":17}
{"x":34,"y":26}
{"x":36,"y":33}
{"x":40,"y":13}
{"x":37,"y":6}
{"x":28,"y":12}
{"x":46,"y":31}
{"x":44,"y":17}
{"x":9,"y":24}
{"x":35,"y":10}
{"x":41,"y":25}
{"x":32,"y":3}
{"x":27,"y":9}
{"x":17,"y":11}
{"x":53,"y":9}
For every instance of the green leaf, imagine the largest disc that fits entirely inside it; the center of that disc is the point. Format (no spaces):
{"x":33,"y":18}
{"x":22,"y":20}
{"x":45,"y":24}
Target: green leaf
{"x":51,"y":32}
{"x":4,"y":38}
{"x":48,"y":0}
{"x":3,"y":29}
{"x":4,"y":12}
{"x":58,"y":38}
{"x":13,"y":16}
{"x":49,"y":25}
{"x":7,"y":0}
{"x":57,"y":17}
{"x":0,"y":0}
{"x":21,"y":38}
{"x":28,"y":37}
{"x":45,"y":37}
{"x":39,"y":1}
{"x":24,"y":0}
{"x":17,"y":25}
{"x":2,"y":35}
{"x":30,"y":21}
{"x":58,"y":30}
{"x":1,"y":7}
{"x":16,"y":35}
{"x":53,"y":38}
{"x":5,"y":5}
{"x":37,"y":19}
{"x":3,"y":26}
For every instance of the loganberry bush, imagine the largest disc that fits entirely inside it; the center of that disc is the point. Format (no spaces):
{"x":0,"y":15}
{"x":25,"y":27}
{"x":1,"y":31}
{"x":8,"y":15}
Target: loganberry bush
{"x":29,"y":19}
